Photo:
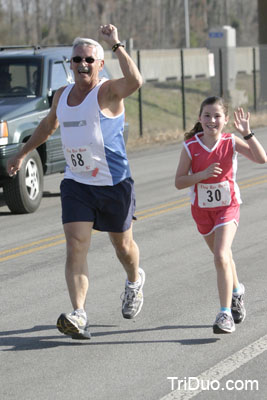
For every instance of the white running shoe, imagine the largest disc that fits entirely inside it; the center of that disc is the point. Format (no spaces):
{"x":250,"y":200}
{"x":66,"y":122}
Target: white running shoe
{"x":75,"y":325}
{"x":133,"y":298}
{"x":224,"y":323}
{"x":238,"y":307}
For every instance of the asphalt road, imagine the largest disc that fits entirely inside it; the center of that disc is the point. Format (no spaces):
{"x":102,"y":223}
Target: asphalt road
{"x":169,"y":351}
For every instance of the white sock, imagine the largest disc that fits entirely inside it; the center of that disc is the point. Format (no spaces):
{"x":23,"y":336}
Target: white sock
{"x":81,"y":312}
{"x":134,"y":285}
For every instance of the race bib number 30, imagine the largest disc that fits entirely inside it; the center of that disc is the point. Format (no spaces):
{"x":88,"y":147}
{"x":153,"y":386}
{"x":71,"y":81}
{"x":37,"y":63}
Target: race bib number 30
{"x":214,"y":194}
{"x":80,"y":159}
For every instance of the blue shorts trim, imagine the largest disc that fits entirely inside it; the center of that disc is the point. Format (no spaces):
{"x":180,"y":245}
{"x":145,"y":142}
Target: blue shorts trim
{"x":110,"y":208}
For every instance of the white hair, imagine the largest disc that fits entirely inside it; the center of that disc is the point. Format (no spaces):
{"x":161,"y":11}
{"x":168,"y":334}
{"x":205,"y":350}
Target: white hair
{"x":89,"y":42}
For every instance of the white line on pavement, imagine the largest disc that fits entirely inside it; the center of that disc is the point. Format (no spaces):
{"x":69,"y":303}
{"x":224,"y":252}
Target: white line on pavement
{"x":220,"y":370}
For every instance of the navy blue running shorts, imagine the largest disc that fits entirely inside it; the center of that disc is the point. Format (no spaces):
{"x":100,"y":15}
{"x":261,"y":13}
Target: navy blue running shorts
{"x":111,"y":208}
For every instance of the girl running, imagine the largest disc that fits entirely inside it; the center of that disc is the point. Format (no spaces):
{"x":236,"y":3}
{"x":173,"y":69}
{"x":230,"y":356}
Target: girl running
{"x":208,"y":164}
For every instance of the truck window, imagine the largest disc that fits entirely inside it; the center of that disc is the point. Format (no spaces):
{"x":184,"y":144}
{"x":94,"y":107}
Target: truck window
{"x":59,"y":77}
{"x":19,"y":79}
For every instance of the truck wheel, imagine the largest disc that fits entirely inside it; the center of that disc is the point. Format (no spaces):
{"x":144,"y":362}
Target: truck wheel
{"x":23,"y":193}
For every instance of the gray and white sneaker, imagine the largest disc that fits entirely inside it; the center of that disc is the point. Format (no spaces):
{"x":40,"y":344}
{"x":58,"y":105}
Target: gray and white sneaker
{"x":133,"y":298}
{"x":75,"y":325}
{"x":238,"y":307}
{"x":224,"y":323}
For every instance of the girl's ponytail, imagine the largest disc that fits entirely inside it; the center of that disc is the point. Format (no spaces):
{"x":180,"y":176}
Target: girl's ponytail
{"x":197,"y":128}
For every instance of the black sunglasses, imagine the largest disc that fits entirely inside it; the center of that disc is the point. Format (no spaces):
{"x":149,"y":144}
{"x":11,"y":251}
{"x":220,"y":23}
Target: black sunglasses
{"x":78,"y":59}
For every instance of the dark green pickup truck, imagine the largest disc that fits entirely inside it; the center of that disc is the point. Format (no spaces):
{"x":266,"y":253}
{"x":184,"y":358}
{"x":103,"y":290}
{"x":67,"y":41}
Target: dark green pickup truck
{"x":28,"y":78}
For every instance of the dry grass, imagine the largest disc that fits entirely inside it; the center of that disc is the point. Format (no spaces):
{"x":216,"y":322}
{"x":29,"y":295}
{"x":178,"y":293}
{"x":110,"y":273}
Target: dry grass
{"x":162,"y":112}
{"x":159,"y":138}
{"x":258,"y":120}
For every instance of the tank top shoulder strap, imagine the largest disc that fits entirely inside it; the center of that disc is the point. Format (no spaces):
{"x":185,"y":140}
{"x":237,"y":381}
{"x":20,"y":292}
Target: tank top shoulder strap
{"x":98,"y":86}
{"x":64,"y":94}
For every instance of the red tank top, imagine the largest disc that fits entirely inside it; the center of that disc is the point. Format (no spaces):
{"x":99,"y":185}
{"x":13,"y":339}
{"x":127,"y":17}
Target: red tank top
{"x":222,"y":191}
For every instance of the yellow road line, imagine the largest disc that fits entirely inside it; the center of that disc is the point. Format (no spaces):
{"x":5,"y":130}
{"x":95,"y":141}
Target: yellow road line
{"x":153,"y":214}
{"x":32,"y":247}
{"x":246,"y":185}
{"x":24,"y":246}
{"x":253,"y":179}
{"x":32,"y":250}
{"x":161,"y":206}
{"x":164,"y":208}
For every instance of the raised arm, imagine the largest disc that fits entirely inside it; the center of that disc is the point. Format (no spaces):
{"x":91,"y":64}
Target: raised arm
{"x":132,"y":79}
{"x":251,"y":148}
{"x":45,"y":129}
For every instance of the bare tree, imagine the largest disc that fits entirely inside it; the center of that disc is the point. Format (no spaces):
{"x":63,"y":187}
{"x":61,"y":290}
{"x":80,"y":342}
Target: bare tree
{"x":38,"y":21}
{"x":152,"y":23}
{"x":26,"y":7}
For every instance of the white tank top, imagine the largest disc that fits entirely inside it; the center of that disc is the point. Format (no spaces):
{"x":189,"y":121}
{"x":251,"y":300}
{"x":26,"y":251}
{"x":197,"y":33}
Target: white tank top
{"x":93,"y":143}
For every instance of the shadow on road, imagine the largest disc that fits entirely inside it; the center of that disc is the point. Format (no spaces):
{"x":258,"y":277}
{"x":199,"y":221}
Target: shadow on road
{"x":18,"y":343}
{"x":50,"y":194}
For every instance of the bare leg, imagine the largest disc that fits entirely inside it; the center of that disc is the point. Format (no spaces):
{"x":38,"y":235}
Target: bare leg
{"x":220,"y":242}
{"x":78,"y":238}
{"x":235,"y":278}
{"x":127,"y":252}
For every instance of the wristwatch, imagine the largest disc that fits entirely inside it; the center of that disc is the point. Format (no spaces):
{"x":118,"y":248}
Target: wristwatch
{"x":249,"y":136}
{"x":114,"y":48}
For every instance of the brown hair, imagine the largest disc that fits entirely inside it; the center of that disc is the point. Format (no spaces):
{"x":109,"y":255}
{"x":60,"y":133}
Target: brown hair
{"x":208,"y":101}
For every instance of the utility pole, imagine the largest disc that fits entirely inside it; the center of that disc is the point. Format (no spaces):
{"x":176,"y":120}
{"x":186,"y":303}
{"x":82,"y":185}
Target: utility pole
{"x":262,"y":15}
{"x":187,"y":24}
